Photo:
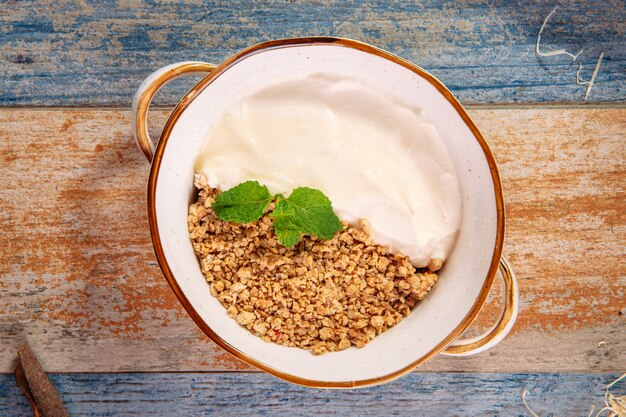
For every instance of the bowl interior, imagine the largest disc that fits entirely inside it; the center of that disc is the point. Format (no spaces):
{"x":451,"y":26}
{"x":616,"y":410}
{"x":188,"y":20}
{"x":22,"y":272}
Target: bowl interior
{"x":466,"y":277}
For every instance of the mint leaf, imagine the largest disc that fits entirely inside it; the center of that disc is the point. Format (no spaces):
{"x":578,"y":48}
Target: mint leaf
{"x":243,"y":203}
{"x":305,"y":212}
{"x":287,"y":233}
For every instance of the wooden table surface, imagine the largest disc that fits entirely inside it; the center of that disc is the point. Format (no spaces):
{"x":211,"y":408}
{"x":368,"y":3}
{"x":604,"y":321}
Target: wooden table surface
{"x":78,"y":277}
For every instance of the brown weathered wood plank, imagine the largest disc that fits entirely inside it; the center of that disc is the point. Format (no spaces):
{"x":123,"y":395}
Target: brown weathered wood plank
{"x":79,"y":281}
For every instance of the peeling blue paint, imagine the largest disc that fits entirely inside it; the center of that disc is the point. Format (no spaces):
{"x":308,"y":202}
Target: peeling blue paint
{"x":252,"y":394}
{"x":98,"y":53}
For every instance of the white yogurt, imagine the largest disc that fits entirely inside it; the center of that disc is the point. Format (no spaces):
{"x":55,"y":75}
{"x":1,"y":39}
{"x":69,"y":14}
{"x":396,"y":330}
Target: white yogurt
{"x":374,"y":157}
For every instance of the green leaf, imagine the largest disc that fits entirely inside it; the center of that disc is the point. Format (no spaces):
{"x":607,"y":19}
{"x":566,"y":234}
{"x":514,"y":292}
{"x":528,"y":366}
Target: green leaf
{"x":287,"y":234}
{"x":305,"y":212}
{"x":244,"y":203}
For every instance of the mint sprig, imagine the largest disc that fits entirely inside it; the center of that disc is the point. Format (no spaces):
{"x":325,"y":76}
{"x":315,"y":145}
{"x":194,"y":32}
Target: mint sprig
{"x":305,"y":212}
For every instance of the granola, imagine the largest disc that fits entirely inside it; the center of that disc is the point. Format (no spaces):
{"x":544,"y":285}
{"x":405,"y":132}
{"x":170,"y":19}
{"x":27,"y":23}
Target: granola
{"x":319,"y":295}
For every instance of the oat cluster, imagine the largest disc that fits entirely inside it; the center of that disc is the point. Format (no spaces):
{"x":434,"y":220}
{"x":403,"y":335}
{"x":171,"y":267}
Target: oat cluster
{"x":319,"y":295}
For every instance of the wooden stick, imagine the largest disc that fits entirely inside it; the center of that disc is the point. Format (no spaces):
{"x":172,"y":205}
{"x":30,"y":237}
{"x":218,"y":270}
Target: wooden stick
{"x":40,"y":392}
{"x":20,"y":378}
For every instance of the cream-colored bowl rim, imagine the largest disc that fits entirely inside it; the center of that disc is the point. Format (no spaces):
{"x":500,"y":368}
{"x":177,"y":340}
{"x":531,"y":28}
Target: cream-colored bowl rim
{"x":348,"y":43}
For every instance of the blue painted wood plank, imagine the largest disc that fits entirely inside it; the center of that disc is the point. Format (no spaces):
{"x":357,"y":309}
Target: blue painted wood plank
{"x":96,"y":52}
{"x":257,"y":394}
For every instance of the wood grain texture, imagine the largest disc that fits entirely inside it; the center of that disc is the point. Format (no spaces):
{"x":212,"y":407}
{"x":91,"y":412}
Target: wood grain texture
{"x":419,"y":394}
{"x":89,"y":53}
{"x":79,"y":280}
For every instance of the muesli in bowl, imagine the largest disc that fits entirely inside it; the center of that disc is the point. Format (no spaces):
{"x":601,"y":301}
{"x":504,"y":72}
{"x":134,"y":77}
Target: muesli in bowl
{"x":322,"y":295}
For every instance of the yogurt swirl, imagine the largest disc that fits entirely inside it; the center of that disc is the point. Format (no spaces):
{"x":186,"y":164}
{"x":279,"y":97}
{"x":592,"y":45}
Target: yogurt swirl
{"x":375,"y":158}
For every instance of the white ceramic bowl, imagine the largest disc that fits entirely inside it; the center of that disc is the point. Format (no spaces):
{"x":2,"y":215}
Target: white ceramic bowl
{"x":464,"y":282}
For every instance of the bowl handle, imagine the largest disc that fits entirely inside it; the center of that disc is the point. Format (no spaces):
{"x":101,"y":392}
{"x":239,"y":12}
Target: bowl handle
{"x":147,"y":90}
{"x":493,"y":336}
